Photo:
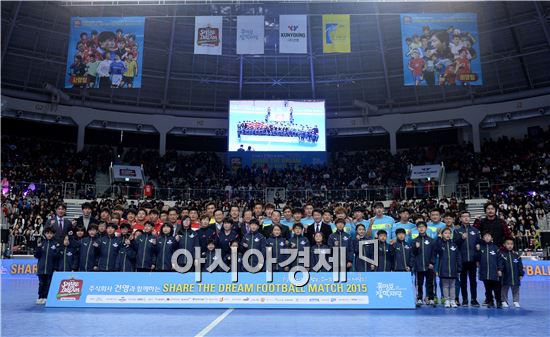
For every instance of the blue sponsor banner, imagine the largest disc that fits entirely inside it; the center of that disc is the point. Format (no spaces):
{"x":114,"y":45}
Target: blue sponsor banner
{"x":275,"y":160}
{"x":536,"y":270}
{"x":105,"y":52}
{"x":440,"y":49}
{"x":173,"y":290}
{"x":19,"y":268}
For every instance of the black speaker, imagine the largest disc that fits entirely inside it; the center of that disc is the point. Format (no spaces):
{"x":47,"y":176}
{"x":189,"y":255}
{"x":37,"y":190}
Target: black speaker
{"x":545,"y":238}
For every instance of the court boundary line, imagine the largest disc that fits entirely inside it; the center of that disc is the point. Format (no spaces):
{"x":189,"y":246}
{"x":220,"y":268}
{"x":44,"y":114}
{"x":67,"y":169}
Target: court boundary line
{"x":214,"y":323}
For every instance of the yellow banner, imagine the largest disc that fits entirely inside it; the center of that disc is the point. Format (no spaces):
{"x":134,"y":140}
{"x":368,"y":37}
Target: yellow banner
{"x":336,"y":36}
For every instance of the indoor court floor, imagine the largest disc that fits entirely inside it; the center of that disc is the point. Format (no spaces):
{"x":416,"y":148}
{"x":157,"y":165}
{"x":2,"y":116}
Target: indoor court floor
{"x":21,"y":317}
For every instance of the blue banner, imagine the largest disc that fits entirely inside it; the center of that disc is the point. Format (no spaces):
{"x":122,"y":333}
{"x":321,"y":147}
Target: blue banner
{"x":105,"y":52}
{"x":536,"y":270}
{"x":275,"y":160}
{"x":173,"y":290}
{"x":440,"y":49}
{"x":19,"y":268}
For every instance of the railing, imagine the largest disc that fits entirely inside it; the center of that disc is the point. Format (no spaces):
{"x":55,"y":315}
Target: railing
{"x":73,"y":190}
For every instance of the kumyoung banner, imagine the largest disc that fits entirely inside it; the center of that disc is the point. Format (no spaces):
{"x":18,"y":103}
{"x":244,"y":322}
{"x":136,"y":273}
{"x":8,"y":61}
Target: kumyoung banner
{"x":293,"y":34}
{"x":250,"y":34}
{"x":105,"y":52}
{"x":336,"y":33}
{"x":440,"y":49}
{"x":208,"y":35}
{"x":173,"y":290}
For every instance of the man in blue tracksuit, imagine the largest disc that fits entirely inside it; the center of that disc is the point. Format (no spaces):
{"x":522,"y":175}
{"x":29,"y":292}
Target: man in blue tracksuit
{"x":88,"y":250}
{"x":450,"y":263}
{"x":46,"y":252}
{"x":254,"y":240}
{"x":109,"y":246}
{"x":467,"y":237}
{"x":385,"y":253}
{"x":402,"y":252}
{"x":490,"y":269}
{"x":144,"y":245}
{"x":165,"y":248}
{"x":423,"y":249}
{"x":126,"y":259}
{"x":512,"y":273}
{"x":342,"y":239}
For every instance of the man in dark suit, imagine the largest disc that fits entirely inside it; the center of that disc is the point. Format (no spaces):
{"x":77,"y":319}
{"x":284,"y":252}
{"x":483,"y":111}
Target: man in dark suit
{"x":276,"y":220}
{"x":60,"y":223}
{"x":318,"y":226}
{"x":86,"y":218}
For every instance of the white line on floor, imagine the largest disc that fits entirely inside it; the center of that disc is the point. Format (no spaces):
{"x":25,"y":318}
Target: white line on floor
{"x":214,"y":323}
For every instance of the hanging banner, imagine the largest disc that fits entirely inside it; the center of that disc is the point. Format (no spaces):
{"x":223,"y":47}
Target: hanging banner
{"x":208,"y":35}
{"x":336,"y":33}
{"x":293,"y":34}
{"x":440,"y":49}
{"x":250,"y":34}
{"x":105,"y":52}
{"x":425,"y":171}
{"x":173,"y":290}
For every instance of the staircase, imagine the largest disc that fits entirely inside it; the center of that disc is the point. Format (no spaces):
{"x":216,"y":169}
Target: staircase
{"x":475,"y":207}
{"x":449,"y":185}
{"x":102,"y":183}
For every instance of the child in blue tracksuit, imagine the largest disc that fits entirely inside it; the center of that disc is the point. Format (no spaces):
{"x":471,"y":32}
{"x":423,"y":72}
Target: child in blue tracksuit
{"x":109,"y":245}
{"x":490,"y":269}
{"x":361,"y":235}
{"x":423,"y":251}
{"x":277,"y":242}
{"x":254,"y":240}
{"x":298,"y":241}
{"x":318,"y":249}
{"x":385,"y":253}
{"x":144,"y":245}
{"x":467,"y":237}
{"x":512,"y":273}
{"x":209,"y":256}
{"x":402,"y":252}
{"x":46,"y":253}
{"x":342,"y":239}
{"x":126,"y":259}
{"x":165,"y":248}
{"x":88,"y":250}
{"x":226,"y":235}
{"x":450,"y":263}
{"x":66,"y":259}
{"x":206,"y":232}
{"x":234,"y":247}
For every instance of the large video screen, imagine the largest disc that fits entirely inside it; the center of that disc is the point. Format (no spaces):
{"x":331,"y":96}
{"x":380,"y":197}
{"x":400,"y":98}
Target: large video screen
{"x":277,"y":126}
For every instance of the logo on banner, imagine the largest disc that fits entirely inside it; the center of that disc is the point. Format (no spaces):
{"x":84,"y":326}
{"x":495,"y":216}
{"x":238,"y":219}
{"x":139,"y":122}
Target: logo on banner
{"x":248,"y":34}
{"x":388,"y":290}
{"x":69,"y":290}
{"x":208,"y":36}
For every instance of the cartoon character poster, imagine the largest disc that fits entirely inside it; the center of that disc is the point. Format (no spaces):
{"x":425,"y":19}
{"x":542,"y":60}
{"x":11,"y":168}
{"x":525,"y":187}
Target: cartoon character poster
{"x":441,"y":49}
{"x":105,"y":52}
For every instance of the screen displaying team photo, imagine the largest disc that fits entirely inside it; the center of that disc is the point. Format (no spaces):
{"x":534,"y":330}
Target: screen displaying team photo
{"x":277,"y":126}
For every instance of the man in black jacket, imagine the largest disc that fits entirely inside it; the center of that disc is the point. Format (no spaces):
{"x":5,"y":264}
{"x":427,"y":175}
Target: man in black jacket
{"x":318,"y":226}
{"x":86,"y":218}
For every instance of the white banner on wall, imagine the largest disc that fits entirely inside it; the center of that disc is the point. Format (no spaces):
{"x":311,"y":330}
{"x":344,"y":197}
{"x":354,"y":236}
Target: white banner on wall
{"x":293,"y":34}
{"x":208,"y":35}
{"x":250,"y":34}
{"x":425,"y":171}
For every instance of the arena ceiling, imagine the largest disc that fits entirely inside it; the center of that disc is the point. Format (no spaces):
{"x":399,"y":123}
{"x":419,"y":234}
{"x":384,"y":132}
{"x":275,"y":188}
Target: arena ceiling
{"x":514,"y":42}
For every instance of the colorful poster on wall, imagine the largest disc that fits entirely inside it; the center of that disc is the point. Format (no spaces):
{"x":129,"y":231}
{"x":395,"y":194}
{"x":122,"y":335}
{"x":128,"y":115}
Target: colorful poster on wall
{"x":440,"y":49}
{"x":208,"y":35}
{"x":105,"y":52}
{"x":336,"y":33}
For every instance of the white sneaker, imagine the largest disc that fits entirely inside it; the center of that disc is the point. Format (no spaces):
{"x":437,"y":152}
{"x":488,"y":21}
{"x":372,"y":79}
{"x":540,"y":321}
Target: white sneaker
{"x":419,"y":302}
{"x":516,"y":305}
{"x":39,"y":301}
{"x":44,"y":301}
{"x":453,"y":304}
{"x":447,"y":304}
{"x":504,"y":305}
